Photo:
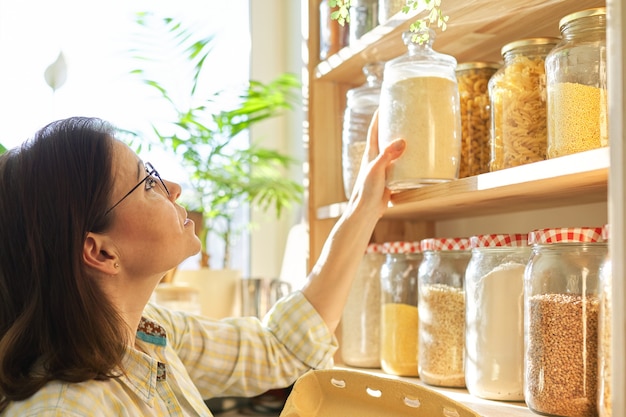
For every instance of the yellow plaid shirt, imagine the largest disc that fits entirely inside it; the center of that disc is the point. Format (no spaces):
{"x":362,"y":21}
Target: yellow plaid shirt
{"x":190,"y":358}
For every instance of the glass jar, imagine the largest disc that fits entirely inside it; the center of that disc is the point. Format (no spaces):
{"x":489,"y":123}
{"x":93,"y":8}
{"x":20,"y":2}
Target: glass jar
{"x":333,"y":35}
{"x":441,"y":290}
{"x":362,"y":103}
{"x":388,"y":8}
{"x":605,"y":338}
{"x":494,"y":316}
{"x":518,"y":104}
{"x":363,"y":18}
{"x":360,"y":324}
{"x":419,"y":101}
{"x":576,"y":79}
{"x":398,"y":277}
{"x":561,"y":321}
{"x":473,"y":79}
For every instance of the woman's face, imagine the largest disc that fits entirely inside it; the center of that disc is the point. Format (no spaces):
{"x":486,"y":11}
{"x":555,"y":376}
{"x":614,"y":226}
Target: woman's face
{"x":150,"y":231}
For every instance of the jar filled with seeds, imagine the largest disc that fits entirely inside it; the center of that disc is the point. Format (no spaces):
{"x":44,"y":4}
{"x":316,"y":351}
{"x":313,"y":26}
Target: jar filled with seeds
{"x":362,"y":102}
{"x":561,"y":312}
{"x":605,"y":338}
{"x":398,"y":277}
{"x":360,"y":324}
{"x":518,"y":104}
{"x":494,"y":316}
{"x":473,"y":79}
{"x":419,"y":101}
{"x":576,"y":78}
{"x":441,"y":290}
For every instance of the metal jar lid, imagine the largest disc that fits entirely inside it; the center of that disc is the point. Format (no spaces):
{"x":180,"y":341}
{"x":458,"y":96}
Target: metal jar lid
{"x":527,"y":42}
{"x":598,"y":11}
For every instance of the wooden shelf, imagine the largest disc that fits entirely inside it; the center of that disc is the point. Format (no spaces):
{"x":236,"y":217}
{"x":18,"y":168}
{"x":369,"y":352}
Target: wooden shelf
{"x":486,"y":408}
{"x":477,"y":30}
{"x":569,"y":180}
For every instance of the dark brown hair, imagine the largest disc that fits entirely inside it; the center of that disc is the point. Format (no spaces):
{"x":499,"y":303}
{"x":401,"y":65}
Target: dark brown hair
{"x":55,"y":322}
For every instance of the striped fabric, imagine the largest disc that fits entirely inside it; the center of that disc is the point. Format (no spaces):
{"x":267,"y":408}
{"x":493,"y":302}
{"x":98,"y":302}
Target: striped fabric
{"x":191,"y":358}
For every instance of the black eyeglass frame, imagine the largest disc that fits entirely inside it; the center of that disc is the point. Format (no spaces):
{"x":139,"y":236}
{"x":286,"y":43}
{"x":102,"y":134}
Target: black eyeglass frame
{"x":151,"y":173}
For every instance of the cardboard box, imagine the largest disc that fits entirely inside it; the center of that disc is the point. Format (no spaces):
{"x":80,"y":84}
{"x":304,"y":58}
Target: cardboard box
{"x":345,"y":393}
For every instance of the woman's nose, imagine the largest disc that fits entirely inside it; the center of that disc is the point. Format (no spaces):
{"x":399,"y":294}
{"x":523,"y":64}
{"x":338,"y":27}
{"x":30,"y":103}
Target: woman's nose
{"x":174,"y":189}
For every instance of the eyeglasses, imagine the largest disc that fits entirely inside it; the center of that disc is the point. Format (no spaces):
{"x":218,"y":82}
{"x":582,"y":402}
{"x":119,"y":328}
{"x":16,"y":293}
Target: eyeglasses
{"x":150,"y":180}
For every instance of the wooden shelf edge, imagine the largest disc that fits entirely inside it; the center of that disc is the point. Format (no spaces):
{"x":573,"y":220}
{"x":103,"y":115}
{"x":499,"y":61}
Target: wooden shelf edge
{"x":573,"y":179}
{"x":486,"y":408}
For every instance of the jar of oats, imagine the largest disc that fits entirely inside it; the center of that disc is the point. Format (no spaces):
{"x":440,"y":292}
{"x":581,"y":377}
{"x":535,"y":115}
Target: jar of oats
{"x":561,"y":313}
{"x":605,"y":338}
{"x":362,"y":103}
{"x":473,"y":79}
{"x":494,"y":316}
{"x":441,"y":304}
{"x":576,"y":79}
{"x":360,"y":324}
{"x":419,"y":101}
{"x":398,"y":278}
{"x":518,"y":104}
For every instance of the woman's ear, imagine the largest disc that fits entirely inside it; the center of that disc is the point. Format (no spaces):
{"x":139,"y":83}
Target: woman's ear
{"x":97,"y":255}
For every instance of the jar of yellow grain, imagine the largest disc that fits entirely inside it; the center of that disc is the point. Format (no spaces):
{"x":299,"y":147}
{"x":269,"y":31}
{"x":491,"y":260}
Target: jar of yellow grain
{"x":518,"y":104}
{"x":441,"y":305}
{"x":473,"y":78}
{"x":576,"y":80}
{"x":398,"y":277}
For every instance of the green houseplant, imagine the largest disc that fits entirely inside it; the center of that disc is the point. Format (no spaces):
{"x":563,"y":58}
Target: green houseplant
{"x":205,"y":136}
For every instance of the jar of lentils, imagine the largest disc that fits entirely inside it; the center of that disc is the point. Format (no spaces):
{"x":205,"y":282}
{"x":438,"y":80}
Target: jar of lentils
{"x":561,"y":311}
{"x":360,"y":324}
{"x":398,"y":279}
{"x":494,"y":316}
{"x":441,"y":303}
{"x":576,"y":78}
{"x":473,"y":79}
{"x":518,"y":104}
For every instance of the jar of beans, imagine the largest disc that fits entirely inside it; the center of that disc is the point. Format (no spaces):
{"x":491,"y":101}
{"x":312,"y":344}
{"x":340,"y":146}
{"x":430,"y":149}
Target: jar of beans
{"x":518,"y":104}
{"x":362,"y":102}
{"x":360,"y":324}
{"x":605,"y":355}
{"x":398,"y":279}
{"x":441,"y":304}
{"x":473,"y":79}
{"x":494,"y":316}
{"x":576,"y":79}
{"x":561,"y":312}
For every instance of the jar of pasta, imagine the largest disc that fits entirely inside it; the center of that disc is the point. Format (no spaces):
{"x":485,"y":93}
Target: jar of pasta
{"x":362,"y":102}
{"x":419,"y":101}
{"x":398,"y":277}
{"x":605,"y":355}
{"x":473,"y":79}
{"x":576,"y":79}
{"x":441,"y":304}
{"x":494,"y":316}
{"x":561,"y":312}
{"x":518,"y":104}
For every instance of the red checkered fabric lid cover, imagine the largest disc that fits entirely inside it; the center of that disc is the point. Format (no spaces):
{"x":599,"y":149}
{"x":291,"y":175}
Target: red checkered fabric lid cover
{"x":445,"y":243}
{"x":497,"y":240}
{"x":374,"y":248}
{"x":565,"y":235}
{"x":401,"y":247}
{"x":605,"y":232}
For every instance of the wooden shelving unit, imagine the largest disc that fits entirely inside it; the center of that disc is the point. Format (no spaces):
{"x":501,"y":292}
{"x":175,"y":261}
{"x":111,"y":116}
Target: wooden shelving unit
{"x":477,"y":30}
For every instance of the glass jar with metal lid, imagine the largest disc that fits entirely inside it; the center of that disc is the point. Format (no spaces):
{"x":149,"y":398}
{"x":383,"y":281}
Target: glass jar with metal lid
{"x":398,"y":277}
{"x":576,"y":80}
{"x":494,"y":316}
{"x":605,"y":356}
{"x":473,"y":79}
{"x":362,"y":102}
{"x":360,"y":323}
{"x":419,"y":101}
{"x":441,"y":305}
{"x":561,"y":320}
{"x":518,"y":104}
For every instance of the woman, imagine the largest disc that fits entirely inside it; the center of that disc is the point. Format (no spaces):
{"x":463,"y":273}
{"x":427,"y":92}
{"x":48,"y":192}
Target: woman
{"x":86,"y":233}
